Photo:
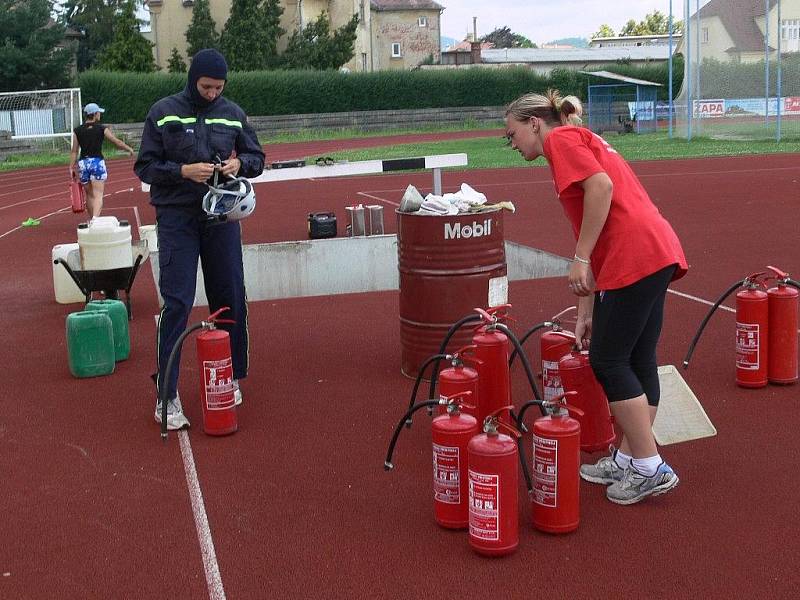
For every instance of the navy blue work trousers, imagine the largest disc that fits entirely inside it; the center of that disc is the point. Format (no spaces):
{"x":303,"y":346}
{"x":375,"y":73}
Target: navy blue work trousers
{"x":184,"y":235}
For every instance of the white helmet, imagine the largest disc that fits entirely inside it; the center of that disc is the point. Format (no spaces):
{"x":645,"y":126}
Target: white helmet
{"x":231,"y":200}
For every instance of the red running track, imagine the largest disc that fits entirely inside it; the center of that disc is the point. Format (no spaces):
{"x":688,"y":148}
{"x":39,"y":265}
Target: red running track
{"x":297,"y":504}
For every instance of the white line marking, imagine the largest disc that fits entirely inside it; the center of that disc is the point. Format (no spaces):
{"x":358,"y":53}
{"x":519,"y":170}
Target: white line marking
{"x":701,"y":301}
{"x":213,"y":579}
{"x":378,"y":199}
{"x":18,"y":227}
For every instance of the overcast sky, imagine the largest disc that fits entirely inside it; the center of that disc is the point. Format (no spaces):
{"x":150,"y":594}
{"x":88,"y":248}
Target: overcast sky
{"x":543,"y":22}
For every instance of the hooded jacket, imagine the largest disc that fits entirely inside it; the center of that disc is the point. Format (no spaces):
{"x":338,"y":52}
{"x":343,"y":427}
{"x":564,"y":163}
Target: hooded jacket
{"x":178,"y":131}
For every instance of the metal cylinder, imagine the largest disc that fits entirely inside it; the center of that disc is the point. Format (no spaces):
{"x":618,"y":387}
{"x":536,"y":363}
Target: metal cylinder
{"x":375,"y":212}
{"x":448,"y":266}
{"x":356,"y":223}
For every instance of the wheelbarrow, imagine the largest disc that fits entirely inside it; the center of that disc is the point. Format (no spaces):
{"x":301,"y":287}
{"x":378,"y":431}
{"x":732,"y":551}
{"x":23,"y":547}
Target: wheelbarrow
{"x":107,"y":281}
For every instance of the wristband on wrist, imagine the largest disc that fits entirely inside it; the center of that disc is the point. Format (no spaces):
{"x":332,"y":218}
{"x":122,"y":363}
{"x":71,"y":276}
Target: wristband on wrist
{"x":584,"y":261}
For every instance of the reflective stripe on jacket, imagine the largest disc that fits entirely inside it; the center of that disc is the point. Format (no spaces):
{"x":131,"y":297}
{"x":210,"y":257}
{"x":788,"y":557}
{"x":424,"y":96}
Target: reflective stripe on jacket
{"x":177,"y":133}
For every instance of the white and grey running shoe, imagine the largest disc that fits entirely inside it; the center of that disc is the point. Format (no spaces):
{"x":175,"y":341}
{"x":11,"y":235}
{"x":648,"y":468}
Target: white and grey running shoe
{"x":605,"y":471}
{"x":635,"y":486}
{"x":175,"y":417}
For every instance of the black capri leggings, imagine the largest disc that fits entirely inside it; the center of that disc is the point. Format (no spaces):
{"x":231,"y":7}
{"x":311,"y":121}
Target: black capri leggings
{"x":626,"y":325}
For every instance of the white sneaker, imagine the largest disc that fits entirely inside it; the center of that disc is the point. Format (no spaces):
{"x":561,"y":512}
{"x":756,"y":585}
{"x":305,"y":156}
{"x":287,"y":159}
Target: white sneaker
{"x":175,"y":417}
{"x":237,"y":393}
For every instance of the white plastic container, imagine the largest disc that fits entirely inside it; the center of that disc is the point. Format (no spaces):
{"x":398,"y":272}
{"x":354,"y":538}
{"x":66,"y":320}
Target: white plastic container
{"x":105,"y":243}
{"x":149,"y":233}
{"x":67,"y":292}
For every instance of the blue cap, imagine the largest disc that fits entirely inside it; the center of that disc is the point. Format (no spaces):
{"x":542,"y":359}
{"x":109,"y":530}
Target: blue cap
{"x":92,"y":108}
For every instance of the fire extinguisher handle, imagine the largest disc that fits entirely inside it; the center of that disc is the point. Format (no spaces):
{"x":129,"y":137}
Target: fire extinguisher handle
{"x":780,"y":275}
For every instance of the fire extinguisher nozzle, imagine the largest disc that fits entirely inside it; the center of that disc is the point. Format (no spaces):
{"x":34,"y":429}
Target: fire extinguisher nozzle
{"x":408,"y":423}
{"x":164,"y":437}
{"x":387,"y":466}
{"x":686,"y":364}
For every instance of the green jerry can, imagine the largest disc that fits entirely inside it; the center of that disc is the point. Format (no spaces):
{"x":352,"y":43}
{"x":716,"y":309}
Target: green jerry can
{"x":119,"y":324}
{"x":90,"y":344}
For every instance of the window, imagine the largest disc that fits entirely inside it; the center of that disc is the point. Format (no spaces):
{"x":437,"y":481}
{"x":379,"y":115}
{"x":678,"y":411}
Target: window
{"x":396,"y":50}
{"x":363,"y":61}
{"x":422,"y":21}
{"x":790,"y":29}
{"x":361,"y":12}
{"x":704,"y":35}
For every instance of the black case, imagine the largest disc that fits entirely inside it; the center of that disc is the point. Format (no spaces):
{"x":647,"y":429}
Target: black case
{"x":321,"y":225}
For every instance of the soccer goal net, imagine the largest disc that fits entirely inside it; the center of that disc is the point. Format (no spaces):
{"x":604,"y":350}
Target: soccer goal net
{"x":40,"y":114}
{"x":742,"y":69}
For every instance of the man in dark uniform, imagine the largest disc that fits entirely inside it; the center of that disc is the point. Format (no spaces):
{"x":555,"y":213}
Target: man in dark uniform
{"x":186,"y":137}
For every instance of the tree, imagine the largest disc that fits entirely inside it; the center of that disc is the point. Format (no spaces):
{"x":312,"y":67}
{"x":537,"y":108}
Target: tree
{"x":249,"y":39}
{"x":176,"y":63}
{"x":129,"y":50}
{"x":655,"y":23}
{"x":95,"y":20}
{"x":202,"y":29}
{"x":30,"y":55}
{"x":503,"y":37}
{"x":604,"y":31}
{"x":315,"y":47}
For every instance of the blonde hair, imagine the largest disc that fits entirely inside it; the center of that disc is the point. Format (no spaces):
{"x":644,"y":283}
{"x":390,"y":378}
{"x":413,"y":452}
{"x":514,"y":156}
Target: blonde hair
{"x":550,"y":107}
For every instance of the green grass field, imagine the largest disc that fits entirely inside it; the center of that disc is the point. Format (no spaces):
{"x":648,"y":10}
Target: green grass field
{"x":483,"y":152}
{"x":491,"y":152}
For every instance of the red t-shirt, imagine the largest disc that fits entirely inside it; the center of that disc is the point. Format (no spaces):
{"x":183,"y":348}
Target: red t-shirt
{"x":636,"y":240}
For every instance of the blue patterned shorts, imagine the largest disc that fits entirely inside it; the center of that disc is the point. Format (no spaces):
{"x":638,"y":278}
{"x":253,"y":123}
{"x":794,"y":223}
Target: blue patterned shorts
{"x":92,"y":168}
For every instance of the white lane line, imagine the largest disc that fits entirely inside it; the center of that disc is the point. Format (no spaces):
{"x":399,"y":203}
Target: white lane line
{"x":18,"y":227}
{"x":37,"y":199}
{"x":378,"y":199}
{"x":700,"y":300}
{"x":213,"y":578}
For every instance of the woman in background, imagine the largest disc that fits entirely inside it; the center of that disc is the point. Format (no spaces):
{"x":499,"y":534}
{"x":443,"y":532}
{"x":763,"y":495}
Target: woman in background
{"x":91,"y":167}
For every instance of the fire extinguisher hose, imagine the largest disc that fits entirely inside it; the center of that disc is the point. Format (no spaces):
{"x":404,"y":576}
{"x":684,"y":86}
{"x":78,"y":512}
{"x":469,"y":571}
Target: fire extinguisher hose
{"x":162,"y":389}
{"x":793,"y":283}
{"x":435,"y":357}
{"x":443,"y":348}
{"x":697,"y":335}
{"x":525,"y":337}
{"x":387,"y":464}
{"x":523,"y":358}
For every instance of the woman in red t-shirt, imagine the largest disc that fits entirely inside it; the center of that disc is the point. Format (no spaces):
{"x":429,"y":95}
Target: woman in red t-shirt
{"x":626,"y":254}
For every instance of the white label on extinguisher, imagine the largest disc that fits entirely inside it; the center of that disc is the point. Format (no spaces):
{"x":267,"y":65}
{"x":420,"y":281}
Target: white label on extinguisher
{"x":748,"y":346}
{"x":445,"y":474}
{"x":218,"y":379}
{"x":545,"y":471}
{"x":552,"y":379}
{"x":484,"y":506}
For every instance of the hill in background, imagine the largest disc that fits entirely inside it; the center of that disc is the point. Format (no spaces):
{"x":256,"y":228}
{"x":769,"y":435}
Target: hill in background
{"x":577,"y":42}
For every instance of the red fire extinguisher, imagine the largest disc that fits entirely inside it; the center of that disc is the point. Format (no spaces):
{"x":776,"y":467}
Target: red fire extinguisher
{"x":783,"y":322}
{"x":493,"y":488}
{"x":216,"y":389}
{"x":451,"y":434}
{"x":216,"y":384}
{"x":597,"y":426}
{"x":554,"y":345}
{"x":752,"y":331}
{"x":494,"y":385}
{"x":556,"y":463}
{"x":459,"y":378}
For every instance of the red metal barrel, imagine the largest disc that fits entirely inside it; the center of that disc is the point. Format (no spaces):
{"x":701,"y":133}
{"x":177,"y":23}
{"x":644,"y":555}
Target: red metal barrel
{"x":448,"y":266}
